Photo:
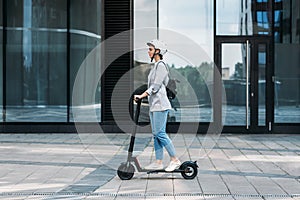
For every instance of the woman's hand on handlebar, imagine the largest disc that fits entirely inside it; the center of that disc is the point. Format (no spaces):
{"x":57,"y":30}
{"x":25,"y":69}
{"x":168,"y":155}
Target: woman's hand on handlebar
{"x":140,"y":97}
{"x":137,"y":98}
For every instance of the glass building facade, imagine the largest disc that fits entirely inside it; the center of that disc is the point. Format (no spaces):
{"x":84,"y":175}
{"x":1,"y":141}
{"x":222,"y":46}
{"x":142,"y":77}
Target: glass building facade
{"x":254,"y":46}
{"x":45,"y":44}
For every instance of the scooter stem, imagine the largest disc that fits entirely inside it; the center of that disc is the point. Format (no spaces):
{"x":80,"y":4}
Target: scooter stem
{"x":136,"y":120}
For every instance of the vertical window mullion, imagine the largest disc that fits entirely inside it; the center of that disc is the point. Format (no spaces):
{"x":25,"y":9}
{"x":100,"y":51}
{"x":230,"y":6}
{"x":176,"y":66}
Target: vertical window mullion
{"x":4,"y":59}
{"x":68,"y":61}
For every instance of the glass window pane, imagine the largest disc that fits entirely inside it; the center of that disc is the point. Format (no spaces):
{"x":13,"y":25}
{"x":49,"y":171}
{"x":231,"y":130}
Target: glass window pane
{"x":36,"y":61}
{"x":145,"y":29}
{"x":227,"y":21}
{"x":85,"y":29}
{"x":287,"y":22}
{"x":195,"y":21}
{"x":1,"y":61}
{"x":243,"y":17}
{"x":145,"y":20}
{"x":262,"y":62}
{"x":287,"y":62}
{"x":287,"y":87}
{"x":193,"y":66}
{"x":234,"y":72}
{"x":198,"y":75}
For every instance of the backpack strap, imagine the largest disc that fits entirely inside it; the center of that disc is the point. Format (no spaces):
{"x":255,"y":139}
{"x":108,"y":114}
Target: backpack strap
{"x":164,"y":65}
{"x":161,"y":61}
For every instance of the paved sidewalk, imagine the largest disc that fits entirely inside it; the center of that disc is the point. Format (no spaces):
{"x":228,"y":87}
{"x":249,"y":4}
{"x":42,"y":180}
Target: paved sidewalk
{"x":72,"y":166}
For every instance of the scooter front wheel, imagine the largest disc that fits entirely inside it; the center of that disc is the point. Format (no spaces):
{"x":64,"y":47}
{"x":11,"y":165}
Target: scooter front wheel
{"x":190,"y":170}
{"x":125,"y":171}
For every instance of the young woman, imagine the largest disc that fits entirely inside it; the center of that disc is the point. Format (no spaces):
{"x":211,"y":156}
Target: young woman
{"x":159,"y":106}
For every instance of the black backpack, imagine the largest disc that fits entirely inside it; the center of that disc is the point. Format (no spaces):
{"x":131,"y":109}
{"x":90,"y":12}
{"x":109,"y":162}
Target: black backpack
{"x":171,"y":86}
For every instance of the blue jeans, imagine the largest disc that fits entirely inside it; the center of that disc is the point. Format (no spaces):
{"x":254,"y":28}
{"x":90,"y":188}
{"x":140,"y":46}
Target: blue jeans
{"x":158,"y":121}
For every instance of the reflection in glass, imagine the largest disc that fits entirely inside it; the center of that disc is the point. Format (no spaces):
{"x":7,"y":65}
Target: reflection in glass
{"x":194,"y":92}
{"x":85,"y":36}
{"x":287,"y":62}
{"x":1,"y":63}
{"x":287,"y":78}
{"x":262,"y":62}
{"x":36,"y":61}
{"x":196,"y":22}
{"x":262,"y":21}
{"x":243,"y":17}
{"x":234,"y":80}
{"x":145,"y":16}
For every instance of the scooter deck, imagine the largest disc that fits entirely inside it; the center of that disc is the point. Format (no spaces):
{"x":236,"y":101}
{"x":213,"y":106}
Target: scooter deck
{"x":161,"y":171}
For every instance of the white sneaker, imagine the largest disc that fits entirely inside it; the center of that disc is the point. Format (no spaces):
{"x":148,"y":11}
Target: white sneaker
{"x":154,"y":166}
{"x":173,"y":165}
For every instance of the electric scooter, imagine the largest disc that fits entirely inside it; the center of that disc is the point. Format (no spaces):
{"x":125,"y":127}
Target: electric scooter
{"x":188,"y":169}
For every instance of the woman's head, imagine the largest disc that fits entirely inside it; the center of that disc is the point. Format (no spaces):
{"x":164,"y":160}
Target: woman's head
{"x":156,"y":49}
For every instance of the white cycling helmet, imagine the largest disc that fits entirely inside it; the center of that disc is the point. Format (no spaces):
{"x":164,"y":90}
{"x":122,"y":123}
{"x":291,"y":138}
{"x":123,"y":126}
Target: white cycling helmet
{"x":158,"y":45}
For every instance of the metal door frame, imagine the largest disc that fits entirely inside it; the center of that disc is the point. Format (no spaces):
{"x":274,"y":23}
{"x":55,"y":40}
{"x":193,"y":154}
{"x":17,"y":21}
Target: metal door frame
{"x":253,"y":127}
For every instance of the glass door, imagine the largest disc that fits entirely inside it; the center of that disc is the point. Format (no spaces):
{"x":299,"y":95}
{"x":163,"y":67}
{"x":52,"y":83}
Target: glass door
{"x":246,"y":102}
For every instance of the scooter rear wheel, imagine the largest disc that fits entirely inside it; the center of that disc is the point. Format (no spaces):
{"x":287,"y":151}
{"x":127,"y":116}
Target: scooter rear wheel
{"x":125,"y":171}
{"x":190,"y":170}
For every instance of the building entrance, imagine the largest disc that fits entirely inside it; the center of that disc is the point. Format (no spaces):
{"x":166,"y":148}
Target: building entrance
{"x":245,"y":65}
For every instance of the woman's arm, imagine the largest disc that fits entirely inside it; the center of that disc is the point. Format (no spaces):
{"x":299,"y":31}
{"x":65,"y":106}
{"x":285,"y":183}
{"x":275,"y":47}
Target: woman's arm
{"x":160,"y":74}
{"x":141,"y":96}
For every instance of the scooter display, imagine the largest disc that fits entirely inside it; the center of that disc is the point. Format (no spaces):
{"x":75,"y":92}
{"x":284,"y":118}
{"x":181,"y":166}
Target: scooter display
{"x":188,"y":169}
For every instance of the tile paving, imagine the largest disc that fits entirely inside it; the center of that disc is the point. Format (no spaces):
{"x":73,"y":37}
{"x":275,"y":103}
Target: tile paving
{"x":66,"y":166}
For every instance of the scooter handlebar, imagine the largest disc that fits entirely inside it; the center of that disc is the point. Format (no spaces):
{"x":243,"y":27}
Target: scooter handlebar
{"x":136,"y":98}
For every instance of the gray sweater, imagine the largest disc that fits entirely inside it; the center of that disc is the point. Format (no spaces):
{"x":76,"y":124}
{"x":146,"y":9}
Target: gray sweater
{"x":157,"y":80}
